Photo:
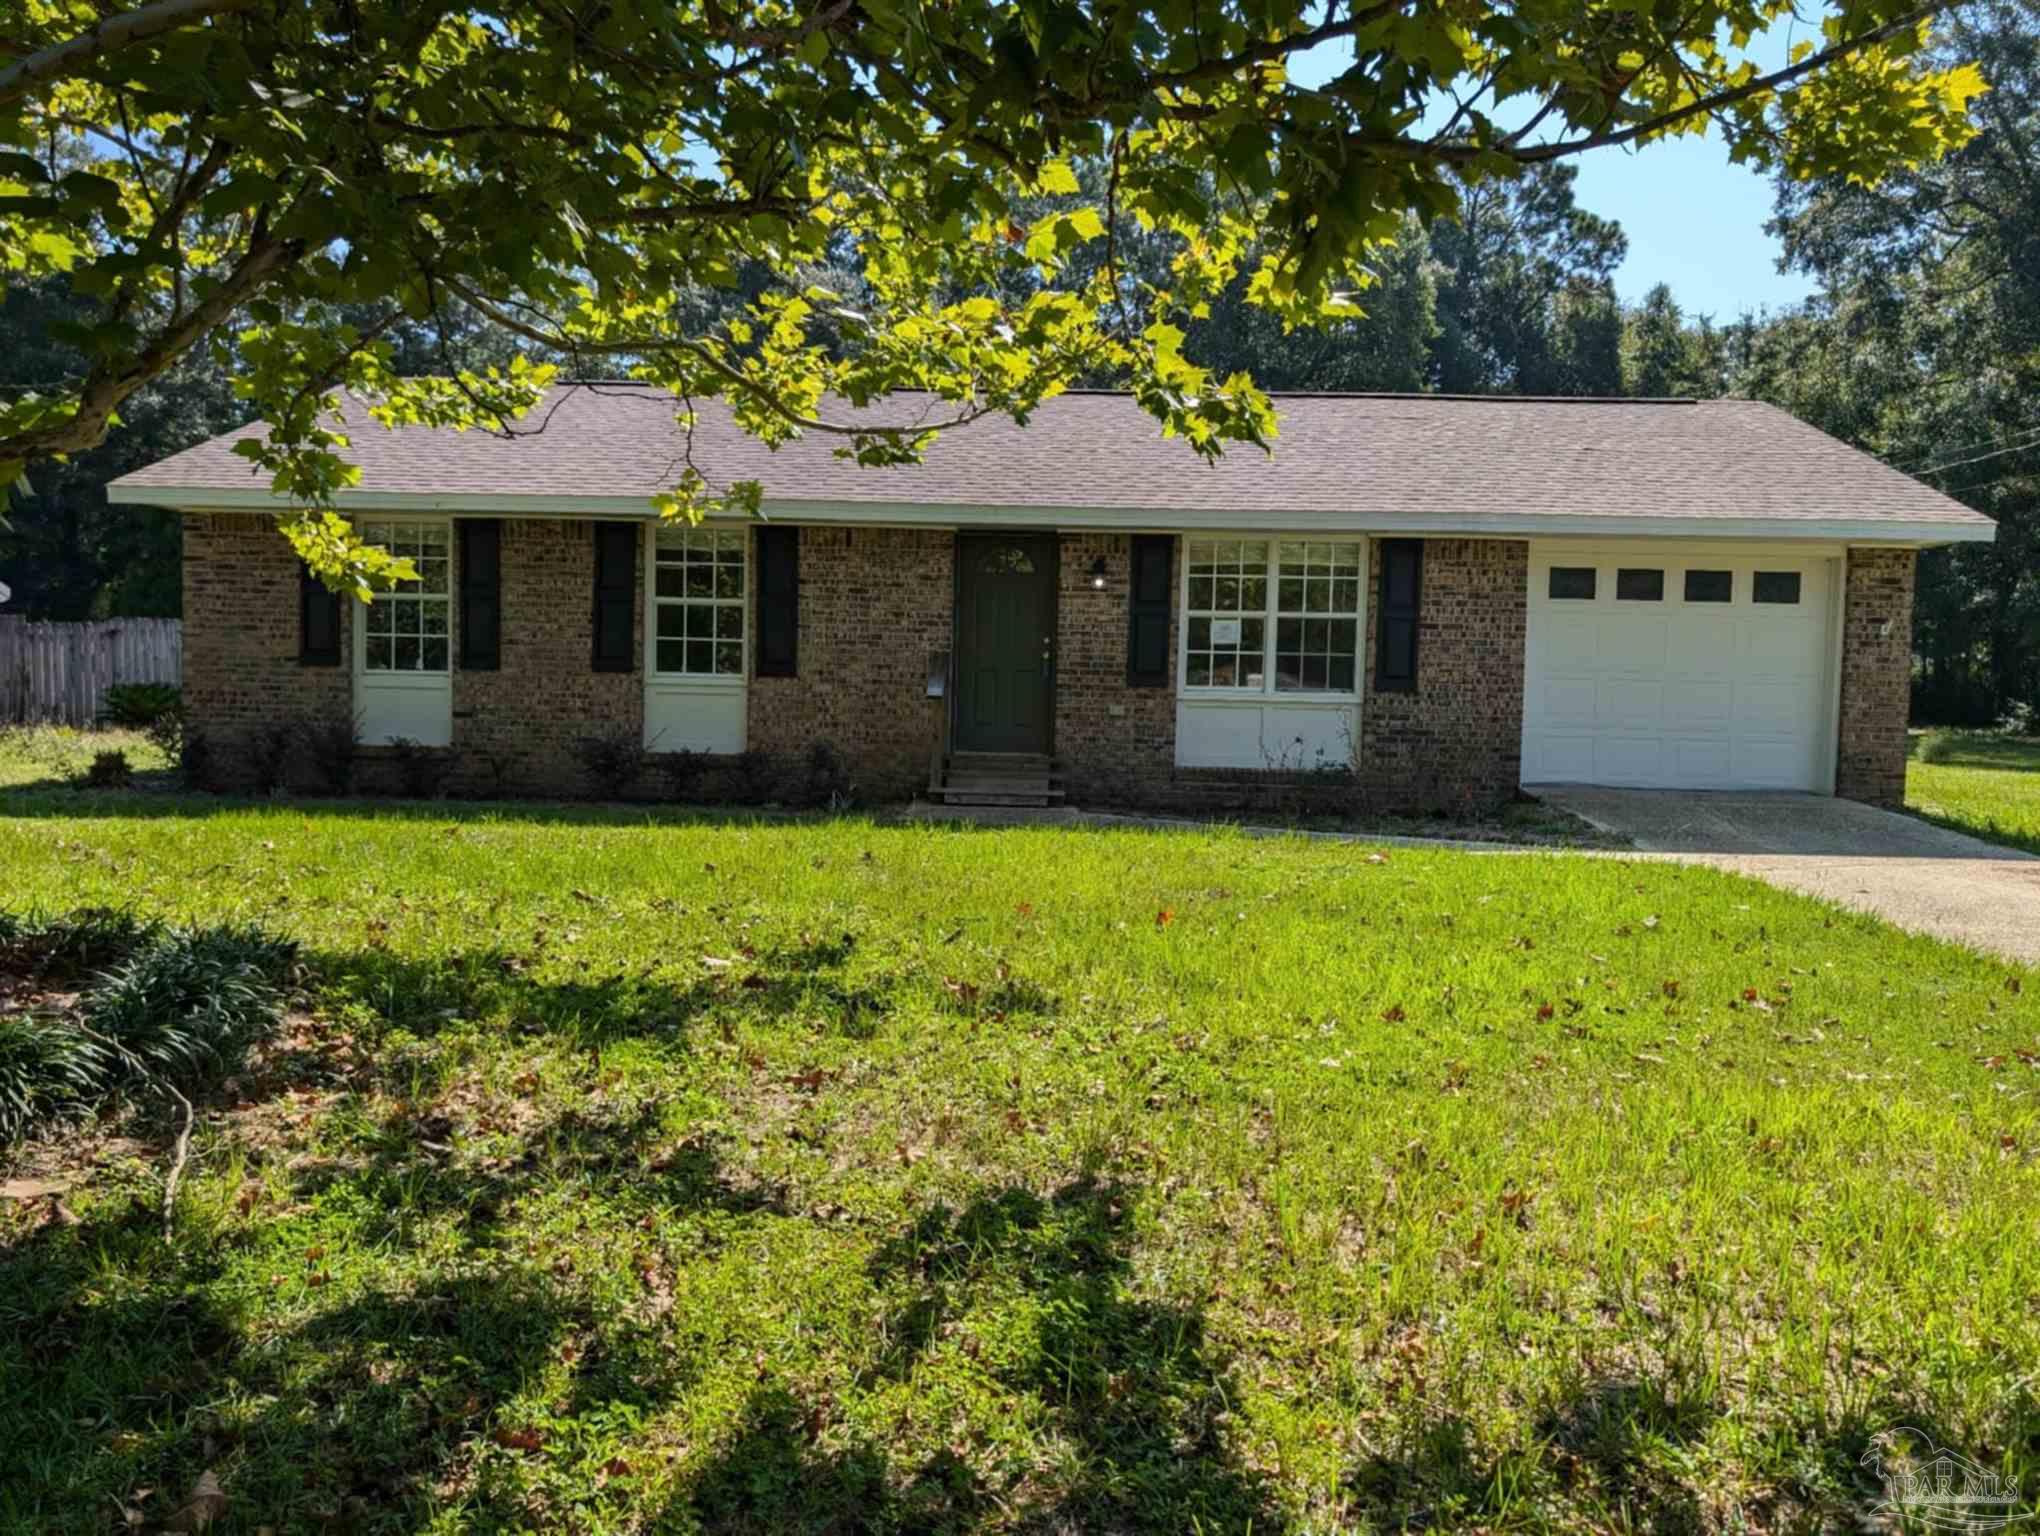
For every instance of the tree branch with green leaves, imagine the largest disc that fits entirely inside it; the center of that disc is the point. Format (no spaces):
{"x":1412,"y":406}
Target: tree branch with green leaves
{"x":246,"y":174}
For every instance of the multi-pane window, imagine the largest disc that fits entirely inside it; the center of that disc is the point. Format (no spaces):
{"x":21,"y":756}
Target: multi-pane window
{"x":1273,"y":616}
{"x":698,"y":602}
{"x":405,"y":630}
{"x":1317,"y":623}
{"x":1227,"y":613}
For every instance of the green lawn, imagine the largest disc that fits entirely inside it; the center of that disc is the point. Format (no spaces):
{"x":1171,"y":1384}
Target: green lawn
{"x":632,"y":1173}
{"x":1988,"y":785}
{"x":42,"y":755}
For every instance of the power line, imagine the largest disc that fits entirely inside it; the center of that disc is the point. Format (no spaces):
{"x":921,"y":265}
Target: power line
{"x":1934,"y":453}
{"x":1984,"y":485}
{"x":1996,"y":453}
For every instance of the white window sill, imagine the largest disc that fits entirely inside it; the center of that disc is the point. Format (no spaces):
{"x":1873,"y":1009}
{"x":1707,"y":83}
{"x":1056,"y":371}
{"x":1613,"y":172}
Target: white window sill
{"x":374,"y":679}
{"x":1265,"y":700}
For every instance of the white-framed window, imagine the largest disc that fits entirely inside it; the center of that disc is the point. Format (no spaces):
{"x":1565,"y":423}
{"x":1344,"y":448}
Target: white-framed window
{"x":1273,"y":616}
{"x":408,"y":630}
{"x":700,"y":584}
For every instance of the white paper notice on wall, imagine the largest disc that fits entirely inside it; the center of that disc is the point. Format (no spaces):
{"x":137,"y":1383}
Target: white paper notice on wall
{"x":1225,"y":631}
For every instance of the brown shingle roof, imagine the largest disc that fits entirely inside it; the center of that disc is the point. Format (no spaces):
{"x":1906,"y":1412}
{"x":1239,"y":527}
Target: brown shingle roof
{"x":1426,"y":462}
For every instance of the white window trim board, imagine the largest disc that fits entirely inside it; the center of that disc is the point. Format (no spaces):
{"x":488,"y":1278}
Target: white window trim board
{"x":688,"y":682}
{"x":1267,"y":693}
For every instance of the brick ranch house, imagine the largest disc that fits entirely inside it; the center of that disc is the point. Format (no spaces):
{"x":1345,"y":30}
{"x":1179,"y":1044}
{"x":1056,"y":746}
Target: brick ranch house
{"x":1448,"y":598}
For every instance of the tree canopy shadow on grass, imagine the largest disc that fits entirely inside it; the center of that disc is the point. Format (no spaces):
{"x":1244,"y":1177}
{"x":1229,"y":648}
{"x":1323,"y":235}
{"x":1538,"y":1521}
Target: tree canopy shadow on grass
{"x":385,"y":1402}
{"x":61,"y":799}
{"x":1624,"y":1450}
{"x":804,"y":986}
{"x":1134,"y":1399}
{"x":1602,"y":1443}
{"x":365,"y":1412}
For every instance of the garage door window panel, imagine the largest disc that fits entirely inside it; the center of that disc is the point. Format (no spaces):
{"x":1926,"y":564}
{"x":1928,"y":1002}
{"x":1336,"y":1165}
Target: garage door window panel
{"x":1710,"y":586}
{"x":1634,"y":584}
{"x":1572,"y":583}
{"x":1775,"y":587}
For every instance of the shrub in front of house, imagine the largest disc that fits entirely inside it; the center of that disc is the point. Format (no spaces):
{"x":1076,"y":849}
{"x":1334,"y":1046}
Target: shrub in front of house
{"x":824,"y":779}
{"x":137,"y":706}
{"x":195,"y":759}
{"x":167,"y":731}
{"x":331,"y":744}
{"x":109,"y":770}
{"x":1937,"y":746}
{"x":614,"y":760}
{"x":501,"y":764}
{"x":751,"y":779}
{"x":423,"y":772}
{"x":684,"y":772}
{"x":267,"y":752}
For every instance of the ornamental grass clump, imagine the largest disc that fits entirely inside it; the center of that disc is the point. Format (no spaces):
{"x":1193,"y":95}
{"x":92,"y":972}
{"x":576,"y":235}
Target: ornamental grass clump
{"x":98,"y":1005}
{"x":49,"y":1070}
{"x":187,"y":1006}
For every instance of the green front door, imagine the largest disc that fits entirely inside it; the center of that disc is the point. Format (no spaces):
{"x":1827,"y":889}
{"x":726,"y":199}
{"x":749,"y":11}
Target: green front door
{"x":1005,"y":642}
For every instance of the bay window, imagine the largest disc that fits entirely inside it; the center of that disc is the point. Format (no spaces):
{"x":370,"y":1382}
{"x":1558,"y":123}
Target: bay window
{"x":1272,"y":616}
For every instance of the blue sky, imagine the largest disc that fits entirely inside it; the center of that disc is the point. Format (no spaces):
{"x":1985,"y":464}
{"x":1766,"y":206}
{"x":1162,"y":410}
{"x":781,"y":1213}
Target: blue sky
{"x":1694,"y":220}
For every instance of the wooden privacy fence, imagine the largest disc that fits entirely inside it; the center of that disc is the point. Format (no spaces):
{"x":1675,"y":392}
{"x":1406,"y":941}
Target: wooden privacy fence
{"x":60,"y":672}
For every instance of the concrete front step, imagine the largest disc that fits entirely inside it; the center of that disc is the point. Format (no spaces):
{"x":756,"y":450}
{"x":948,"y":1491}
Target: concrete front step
{"x":1005,"y":763}
{"x":997,"y":778}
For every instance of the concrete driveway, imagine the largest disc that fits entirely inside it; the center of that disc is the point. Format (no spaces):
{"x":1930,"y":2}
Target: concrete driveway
{"x":1917,"y":876}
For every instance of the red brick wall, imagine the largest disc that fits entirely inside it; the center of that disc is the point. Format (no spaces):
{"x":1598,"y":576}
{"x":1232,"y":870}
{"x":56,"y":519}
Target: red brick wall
{"x":546,"y":695}
{"x":241,"y":668}
{"x":1876,"y":675}
{"x":874,"y":604}
{"x":1112,"y":742}
{"x":1457,"y":739}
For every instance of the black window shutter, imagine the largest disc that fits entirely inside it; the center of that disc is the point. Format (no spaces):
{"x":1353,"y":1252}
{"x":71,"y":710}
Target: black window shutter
{"x":1395,"y":652}
{"x":1149,"y":588}
{"x":615,"y":596}
{"x":318,"y":621}
{"x":481,"y":594}
{"x":778,"y":646}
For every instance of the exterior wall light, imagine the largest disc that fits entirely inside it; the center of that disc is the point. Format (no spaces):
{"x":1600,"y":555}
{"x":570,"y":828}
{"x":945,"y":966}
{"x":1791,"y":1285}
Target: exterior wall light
{"x":1098,"y":574}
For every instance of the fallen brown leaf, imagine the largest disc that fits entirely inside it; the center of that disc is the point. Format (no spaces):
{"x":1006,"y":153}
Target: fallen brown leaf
{"x":33,"y":1189}
{"x":206,"y":1502}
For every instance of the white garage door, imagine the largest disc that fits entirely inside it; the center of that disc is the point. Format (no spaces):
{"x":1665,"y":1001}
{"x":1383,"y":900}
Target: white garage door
{"x":1706,"y":670}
